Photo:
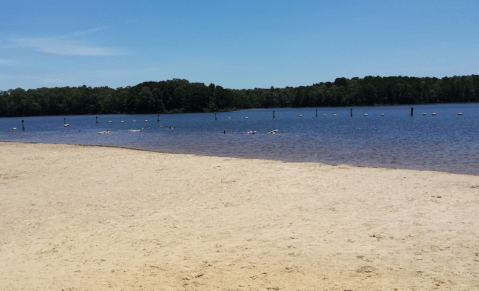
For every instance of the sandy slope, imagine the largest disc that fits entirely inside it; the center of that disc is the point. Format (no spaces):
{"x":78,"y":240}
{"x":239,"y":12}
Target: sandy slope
{"x":96,"y":218}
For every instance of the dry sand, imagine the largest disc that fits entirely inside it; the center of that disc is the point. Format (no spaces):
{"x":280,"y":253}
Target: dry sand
{"x":96,"y":218}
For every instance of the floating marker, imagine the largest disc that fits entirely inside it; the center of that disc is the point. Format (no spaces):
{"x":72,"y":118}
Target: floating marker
{"x":424,"y":113}
{"x":146,"y":120}
{"x":459,"y":113}
{"x":366,"y":114}
{"x":109,"y":121}
{"x":382,"y":114}
{"x":122,"y":121}
{"x":301,"y":115}
{"x":325,"y":115}
{"x":334,"y":114}
{"x":434,"y":113}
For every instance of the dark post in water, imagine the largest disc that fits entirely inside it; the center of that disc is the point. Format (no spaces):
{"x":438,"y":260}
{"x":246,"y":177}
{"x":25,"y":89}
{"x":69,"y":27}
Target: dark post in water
{"x":316,"y":112}
{"x":351,"y":112}
{"x":412,"y":111}
{"x":23,"y":125}
{"x":273,"y":113}
{"x":97,"y":119}
{"x":158,"y":118}
{"x":215,"y":116}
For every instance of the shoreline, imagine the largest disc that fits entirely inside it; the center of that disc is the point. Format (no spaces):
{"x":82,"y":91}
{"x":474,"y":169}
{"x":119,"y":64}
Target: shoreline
{"x":235,"y":157}
{"x":102,"y":217}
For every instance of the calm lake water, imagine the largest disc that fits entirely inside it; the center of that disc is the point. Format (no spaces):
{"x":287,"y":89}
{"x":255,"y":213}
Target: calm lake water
{"x":444,"y":142}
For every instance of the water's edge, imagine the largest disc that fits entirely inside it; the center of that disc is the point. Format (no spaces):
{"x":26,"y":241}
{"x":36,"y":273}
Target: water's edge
{"x":236,"y":157}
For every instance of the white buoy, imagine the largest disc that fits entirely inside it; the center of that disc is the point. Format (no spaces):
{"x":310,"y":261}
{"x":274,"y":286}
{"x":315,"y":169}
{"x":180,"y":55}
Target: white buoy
{"x":229,"y":117}
{"x":434,"y":113}
{"x":301,"y":115}
{"x":246,"y":117}
{"x":134,"y":120}
{"x":146,"y":120}
{"x":14,"y":128}
{"x":334,"y":114}
{"x":459,"y":113}
{"x":366,"y":114}
{"x":325,"y":114}
{"x":109,"y":121}
{"x":382,"y":114}
{"x":122,"y":121}
{"x":66,"y":125}
{"x":424,"y":113}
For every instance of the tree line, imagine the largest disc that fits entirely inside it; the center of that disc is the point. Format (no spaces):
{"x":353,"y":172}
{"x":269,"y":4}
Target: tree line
{"x":179,"y":95}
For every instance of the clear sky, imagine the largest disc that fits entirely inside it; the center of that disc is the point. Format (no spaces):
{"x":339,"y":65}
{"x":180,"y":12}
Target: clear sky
{"x":235,"y":44}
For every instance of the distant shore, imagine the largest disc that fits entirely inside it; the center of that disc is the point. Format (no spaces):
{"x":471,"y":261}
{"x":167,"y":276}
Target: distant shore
{"x":164,"y":96}
{"x":106,"y":218}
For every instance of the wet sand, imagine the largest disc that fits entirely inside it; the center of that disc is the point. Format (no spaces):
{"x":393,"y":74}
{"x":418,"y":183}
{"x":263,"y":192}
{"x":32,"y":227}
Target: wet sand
{"x":97,"y":218}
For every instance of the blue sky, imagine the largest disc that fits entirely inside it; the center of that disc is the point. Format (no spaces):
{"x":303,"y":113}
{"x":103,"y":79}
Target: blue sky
{"x":235,"y":44}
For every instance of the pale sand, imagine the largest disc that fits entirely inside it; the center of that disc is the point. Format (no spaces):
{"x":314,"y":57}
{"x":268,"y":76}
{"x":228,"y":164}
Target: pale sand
{"x":96,"y":218}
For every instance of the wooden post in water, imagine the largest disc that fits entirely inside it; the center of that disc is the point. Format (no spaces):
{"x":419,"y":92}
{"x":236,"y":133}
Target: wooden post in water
{"x":412,"y":111}
{"x":216,"y":118}
{"x":351,"y":112}
{"x":316,"y":112}
{"x":158,"y":118}
{"x":273,"y":113}
{"x":64,"y":120}
{"x":23,"y":124}
{"x":97,"y":119}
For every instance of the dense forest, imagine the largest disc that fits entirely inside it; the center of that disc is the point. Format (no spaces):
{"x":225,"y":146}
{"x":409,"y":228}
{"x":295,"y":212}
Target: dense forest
{"x":180,"y":95}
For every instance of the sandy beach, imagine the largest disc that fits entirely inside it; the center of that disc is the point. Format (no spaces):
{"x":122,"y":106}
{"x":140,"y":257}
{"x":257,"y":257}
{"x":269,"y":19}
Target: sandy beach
{"x":99,"y":218}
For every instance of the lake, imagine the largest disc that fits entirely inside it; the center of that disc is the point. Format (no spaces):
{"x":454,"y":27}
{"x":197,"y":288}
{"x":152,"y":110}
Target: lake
{"x":442,"y":142}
